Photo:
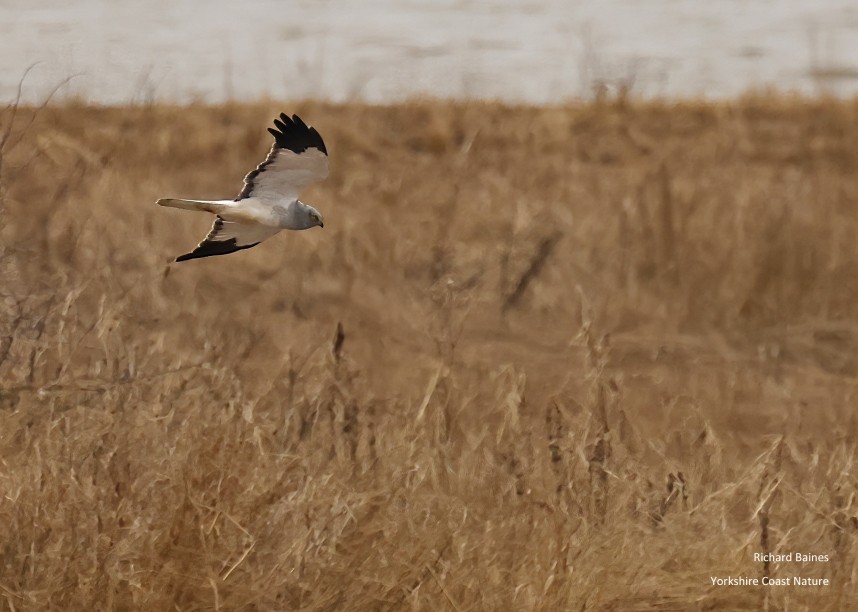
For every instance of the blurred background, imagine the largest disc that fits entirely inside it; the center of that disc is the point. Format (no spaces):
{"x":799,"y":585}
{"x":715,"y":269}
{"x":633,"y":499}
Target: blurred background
{"x":581,"y":330}
{"x":538,"y":51}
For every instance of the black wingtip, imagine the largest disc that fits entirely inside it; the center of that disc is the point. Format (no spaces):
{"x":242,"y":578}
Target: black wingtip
{"x":295,"y":135}
{"x":211,"y":248}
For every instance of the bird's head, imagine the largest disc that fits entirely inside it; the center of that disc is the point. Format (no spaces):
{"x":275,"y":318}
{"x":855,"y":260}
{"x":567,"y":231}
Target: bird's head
{"x":314,"y":217}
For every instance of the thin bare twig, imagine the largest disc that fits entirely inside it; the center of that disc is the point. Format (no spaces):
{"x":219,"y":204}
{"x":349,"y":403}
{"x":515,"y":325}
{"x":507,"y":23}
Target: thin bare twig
{"x":546,"y":247}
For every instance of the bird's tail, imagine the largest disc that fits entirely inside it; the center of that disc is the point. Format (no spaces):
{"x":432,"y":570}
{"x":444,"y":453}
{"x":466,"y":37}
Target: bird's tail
{"x":212,"y":206}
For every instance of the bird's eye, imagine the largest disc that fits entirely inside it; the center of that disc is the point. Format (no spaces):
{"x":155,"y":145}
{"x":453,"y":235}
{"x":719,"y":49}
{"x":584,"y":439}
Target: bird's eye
{"x":314,"y":216}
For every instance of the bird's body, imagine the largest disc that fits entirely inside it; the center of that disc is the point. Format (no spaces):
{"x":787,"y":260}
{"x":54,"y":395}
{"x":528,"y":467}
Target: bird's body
{"x":292,"y":215}
{"x":268,"y":202}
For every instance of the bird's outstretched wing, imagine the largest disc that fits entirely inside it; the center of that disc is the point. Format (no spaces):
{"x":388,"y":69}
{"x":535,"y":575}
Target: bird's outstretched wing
{"x":228,"y":237}
{"x":297,"y":158}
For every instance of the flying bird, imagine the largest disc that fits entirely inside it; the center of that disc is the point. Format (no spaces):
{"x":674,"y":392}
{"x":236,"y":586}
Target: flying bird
{"x":268,"y":202}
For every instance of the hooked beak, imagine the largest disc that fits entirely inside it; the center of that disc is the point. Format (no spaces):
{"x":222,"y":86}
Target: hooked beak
{"x":321,"y":224}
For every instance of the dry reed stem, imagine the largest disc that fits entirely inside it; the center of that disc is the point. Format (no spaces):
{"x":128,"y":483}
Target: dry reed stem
{"x":534,"y":267}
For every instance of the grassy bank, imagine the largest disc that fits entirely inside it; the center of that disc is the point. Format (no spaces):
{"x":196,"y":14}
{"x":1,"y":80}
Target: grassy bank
{"x":589,"y":357}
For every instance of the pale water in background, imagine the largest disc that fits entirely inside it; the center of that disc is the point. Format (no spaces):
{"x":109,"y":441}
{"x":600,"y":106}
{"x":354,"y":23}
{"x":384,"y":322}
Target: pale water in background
{"x":385,"y":50}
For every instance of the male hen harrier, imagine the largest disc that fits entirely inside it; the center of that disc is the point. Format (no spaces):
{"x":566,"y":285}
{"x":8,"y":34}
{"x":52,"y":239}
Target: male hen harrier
{"x":268,"y":202}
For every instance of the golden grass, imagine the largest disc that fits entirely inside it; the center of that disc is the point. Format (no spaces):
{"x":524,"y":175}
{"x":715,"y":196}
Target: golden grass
{"x":589,"y":356}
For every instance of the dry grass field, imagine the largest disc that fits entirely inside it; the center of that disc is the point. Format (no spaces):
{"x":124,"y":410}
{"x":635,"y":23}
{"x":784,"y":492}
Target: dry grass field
{"x":590,"y":356}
